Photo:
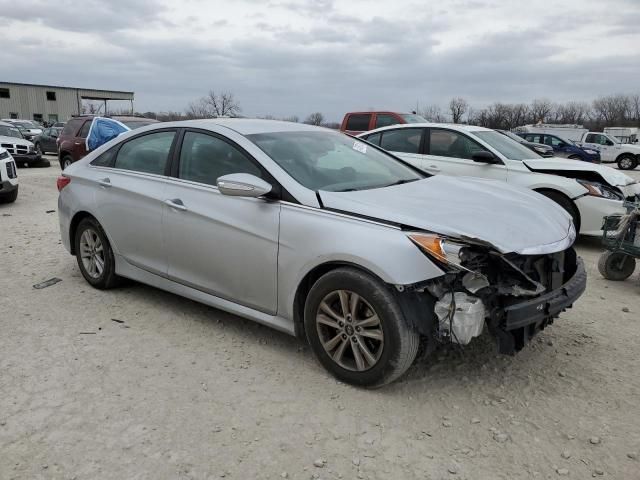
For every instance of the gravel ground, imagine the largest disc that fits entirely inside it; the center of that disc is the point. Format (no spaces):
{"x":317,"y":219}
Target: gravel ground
{"x":136,"y":383}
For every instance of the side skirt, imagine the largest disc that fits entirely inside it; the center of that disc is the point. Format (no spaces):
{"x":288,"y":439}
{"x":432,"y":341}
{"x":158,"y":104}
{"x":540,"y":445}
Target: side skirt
{"x":125,"y":269}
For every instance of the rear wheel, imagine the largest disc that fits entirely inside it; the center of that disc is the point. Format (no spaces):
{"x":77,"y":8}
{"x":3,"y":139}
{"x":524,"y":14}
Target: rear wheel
{"x":565,"y":203}
{"x":616,"y":266}
{"x":357,"y":329}
{"x":627,"y":162}
{"x":65,"y":161}
{"x":94,"y":255}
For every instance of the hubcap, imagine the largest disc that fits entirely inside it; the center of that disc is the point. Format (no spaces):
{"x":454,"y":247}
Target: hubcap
{"x":349,"y":330}
{"x":92,"y":253}
{"x":625,"y":163}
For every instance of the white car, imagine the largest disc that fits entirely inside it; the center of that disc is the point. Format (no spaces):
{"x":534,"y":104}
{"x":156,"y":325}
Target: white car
{"x":585,"y":190}
{"x":8,"y":177}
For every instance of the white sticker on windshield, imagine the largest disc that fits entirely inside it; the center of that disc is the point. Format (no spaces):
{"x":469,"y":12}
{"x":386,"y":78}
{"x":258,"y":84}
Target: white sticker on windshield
{"x":360,"y":147}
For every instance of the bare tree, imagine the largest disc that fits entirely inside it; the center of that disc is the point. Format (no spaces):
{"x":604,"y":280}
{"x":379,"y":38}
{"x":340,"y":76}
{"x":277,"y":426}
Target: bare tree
{"x":540,"y":110}
{"x":315,"y":118}
{"x":432,"y":113}
{"x":572,"y":112}
{"x":214,"y":105}
{"x":458,"y":107}
{"x":634,"y":101}
{"x":292,"y":118}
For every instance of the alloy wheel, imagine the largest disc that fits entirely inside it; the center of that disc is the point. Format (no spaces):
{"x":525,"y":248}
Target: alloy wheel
{"x":625,"y":163}
{"x":349,"y":330}
{"x":92,"y":253}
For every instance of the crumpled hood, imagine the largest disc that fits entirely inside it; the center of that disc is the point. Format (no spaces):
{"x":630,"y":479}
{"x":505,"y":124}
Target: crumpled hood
{"x":613,"y":177}
{"x":15,"y":141}
{"x":510,"y":218}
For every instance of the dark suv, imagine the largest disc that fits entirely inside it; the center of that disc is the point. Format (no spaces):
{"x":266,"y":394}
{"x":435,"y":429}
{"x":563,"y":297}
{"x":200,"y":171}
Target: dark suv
{"x":72,"y":145}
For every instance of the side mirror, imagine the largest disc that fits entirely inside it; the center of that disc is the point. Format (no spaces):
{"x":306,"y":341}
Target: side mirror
{"x":485,"y":157}
{"x":243,"y":185}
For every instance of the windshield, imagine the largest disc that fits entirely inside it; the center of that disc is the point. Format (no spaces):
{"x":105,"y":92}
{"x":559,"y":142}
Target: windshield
{"x":412,"y":118}
{"x":507,"y":147}
{"x":22,"y":125}
{"x":9,"y":132}
{"x":333,"y":161}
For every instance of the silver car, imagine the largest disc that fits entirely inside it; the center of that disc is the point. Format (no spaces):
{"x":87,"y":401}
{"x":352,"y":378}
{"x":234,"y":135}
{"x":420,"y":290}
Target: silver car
{"x":323,"y":236}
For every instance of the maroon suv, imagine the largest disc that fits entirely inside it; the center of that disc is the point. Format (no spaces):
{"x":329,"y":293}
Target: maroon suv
{"x":72,"y":144}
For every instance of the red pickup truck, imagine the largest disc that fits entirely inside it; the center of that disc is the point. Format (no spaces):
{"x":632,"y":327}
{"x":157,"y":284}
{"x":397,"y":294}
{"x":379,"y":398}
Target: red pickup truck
{"x":355,"y":123}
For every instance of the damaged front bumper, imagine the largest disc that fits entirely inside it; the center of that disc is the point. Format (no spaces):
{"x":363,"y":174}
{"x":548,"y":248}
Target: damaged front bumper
{"x":517,"y":322}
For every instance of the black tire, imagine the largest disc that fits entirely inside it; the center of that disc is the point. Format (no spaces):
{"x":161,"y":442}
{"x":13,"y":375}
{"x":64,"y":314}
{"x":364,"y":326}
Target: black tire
{"x":400,"y":339}
{"x":108,"y":278}
{"x":10,"y":198}
{"x":627,"y":162}
{"x":64,"y":160}
{"x":565,"y":203}
{"x":43,"y":163}
{"x":616,"y":266}
{"x":574,"y":157}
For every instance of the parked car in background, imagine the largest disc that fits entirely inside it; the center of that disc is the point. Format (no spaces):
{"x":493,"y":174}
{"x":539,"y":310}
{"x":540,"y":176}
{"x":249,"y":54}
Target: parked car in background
{"x":355,"y":123}
{"x":540,"y":148}
{"x":586,"y":191}
{"x":566,"y":131}
{"x":72,"y":140}
{"x":23,"y":151}
{"x":47,"y":141}
{"x":612,"y":150}
{"x":8,"y":177}
{"x":28,"y":128}
{"x":320,"y":235}
{"x":563,"y":147}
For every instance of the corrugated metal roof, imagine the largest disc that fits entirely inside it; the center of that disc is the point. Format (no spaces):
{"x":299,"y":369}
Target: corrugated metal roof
{"x":67,"y":88}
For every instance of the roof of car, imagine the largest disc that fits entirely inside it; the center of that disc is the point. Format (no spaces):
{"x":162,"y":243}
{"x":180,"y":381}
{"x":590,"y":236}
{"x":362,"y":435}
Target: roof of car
{"x":246,"y":126}
{"x":6,"y":124}
{"x":450,"y":126}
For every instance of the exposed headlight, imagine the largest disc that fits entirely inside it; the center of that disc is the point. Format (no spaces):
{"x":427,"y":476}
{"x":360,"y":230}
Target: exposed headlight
{"x":599,"y":190}
{"x":443,"y":249}
{"x":32,"y":148}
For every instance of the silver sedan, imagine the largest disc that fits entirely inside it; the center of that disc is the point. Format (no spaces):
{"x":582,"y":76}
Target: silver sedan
{"x":320,"y":235}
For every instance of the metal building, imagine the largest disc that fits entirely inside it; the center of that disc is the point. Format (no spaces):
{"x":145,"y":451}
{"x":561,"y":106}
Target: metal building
{"x":50,"y":103}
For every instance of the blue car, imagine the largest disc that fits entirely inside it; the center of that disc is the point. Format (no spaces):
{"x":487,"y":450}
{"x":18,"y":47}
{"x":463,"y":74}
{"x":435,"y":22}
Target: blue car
{"x":563,"y":148}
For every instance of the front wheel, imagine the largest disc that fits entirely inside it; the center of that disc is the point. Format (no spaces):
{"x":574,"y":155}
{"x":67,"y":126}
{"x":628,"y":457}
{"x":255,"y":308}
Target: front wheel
{"x":616,"y":266}
{"x":94,"y":255}
{"x":357,"y":330}
{"x":565,"y":203}
{"x":627,"y":162}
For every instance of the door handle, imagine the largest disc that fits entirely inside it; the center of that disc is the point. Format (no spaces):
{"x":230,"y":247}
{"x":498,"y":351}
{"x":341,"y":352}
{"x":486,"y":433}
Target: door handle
{"x":78,"y":143}
{"x":176,"y":203}
{"x":434,"y":168}
{"x":105,"y":182}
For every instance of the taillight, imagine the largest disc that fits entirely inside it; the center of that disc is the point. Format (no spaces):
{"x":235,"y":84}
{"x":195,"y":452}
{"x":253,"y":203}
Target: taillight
{"x":62,"y":182}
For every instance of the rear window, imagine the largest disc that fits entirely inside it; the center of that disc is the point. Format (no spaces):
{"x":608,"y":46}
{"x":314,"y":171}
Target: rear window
{"x":358,"y":122}
{"x":384,"y":120}
{"x":84,"y":131}
{"x":72,"y":127}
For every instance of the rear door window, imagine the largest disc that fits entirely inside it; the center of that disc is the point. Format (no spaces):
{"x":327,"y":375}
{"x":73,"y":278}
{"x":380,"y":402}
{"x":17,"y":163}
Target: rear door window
{"x":146,"y":154}
{"x":358,"y":122}
{"x":84,"y":131}
{"x":72,"y":127}
{"x":385,"y":119}
{"x":375,"y":138}
{"x":406,"y":140}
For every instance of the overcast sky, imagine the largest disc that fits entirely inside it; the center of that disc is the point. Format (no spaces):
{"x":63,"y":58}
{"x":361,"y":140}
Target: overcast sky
{"x":292,"y":57}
